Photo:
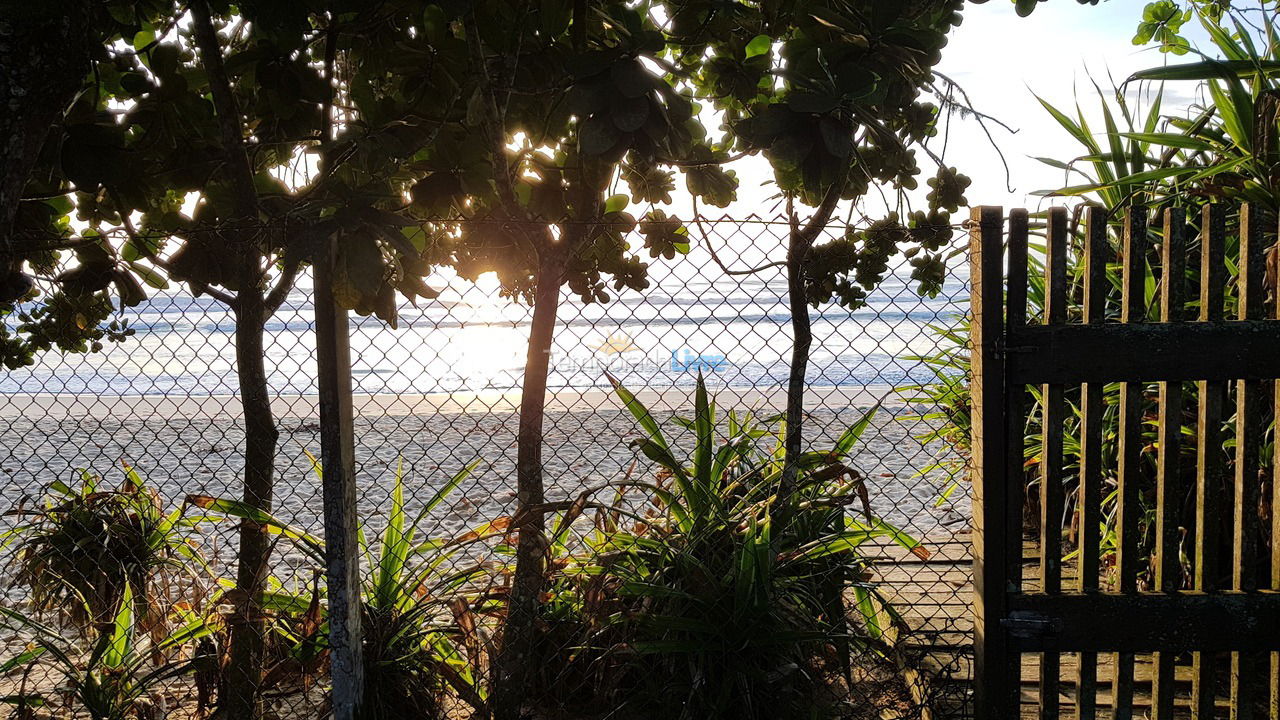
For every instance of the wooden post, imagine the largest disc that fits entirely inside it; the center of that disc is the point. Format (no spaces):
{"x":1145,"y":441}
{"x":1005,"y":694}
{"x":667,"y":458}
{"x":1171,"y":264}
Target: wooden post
{"x":337,"y":448}
{"x":1053,"y":408}
{"x":1096,"y":253}
{"x":995,"y":687}
{"x":1169,"y":492}
{"x":1129,"y":473}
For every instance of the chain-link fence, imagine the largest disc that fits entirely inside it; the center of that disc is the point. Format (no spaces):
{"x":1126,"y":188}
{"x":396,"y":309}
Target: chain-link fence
{"x":435,"y":404}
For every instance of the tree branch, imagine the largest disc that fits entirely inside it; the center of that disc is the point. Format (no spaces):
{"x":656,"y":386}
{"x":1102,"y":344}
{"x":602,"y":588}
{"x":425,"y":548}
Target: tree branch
{"x":197,"y":286}
{"x":228,"y":110}
{"x":825,"y":209}
{"x":284,"y":284}
{"x":697,"y":220}
{"x":494,"y":128}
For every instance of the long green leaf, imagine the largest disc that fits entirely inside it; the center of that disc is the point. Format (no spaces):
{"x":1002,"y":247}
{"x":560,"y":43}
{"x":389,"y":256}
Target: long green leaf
{"x":447,"y":489}
{"x":639,"y":412}
{"x":1206,"y":70}
{"x":388,"y":592}
{"x":119,"y":644}
{"x":849,"y":438}
{"x":237,"y":509}
{"x":1174,"y":140}
{"x":703,"y":451}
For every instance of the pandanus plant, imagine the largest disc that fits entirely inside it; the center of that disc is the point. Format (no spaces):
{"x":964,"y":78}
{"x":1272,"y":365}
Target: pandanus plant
{"x":81,"y":547}
{"x":115,"y":676}
{"x":423,"y":600}
{"x":715,"y":595}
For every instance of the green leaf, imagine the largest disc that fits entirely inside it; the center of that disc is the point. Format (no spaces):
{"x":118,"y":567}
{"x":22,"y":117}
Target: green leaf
{"x":630,"y":114}
{"x":615,"y":203}
{"x":244,"y":511}
{"x":850,"y":437}
{"x":639,"y":412}
{"x":810,"y":102}
{"x":1206,"y":70}
{"x":22,"y":659}
{"x":119,"y":645}
{"x":1175,"y":140}
{"x":388,"y":589}
{"x":597,"y":135}
{"x":869,"y":612}
{"x":702,"y":424}
{"x":448,"y":488}
{"x":1051,"y":162}
{"x":631,"y":79}
{"x":143,"y":38}
{"x":149,"y":276}
{"x":759,"y":45}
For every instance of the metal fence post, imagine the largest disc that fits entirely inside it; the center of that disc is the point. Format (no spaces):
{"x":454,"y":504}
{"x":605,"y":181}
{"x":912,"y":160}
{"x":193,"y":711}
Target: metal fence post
{"x":337,"y":446}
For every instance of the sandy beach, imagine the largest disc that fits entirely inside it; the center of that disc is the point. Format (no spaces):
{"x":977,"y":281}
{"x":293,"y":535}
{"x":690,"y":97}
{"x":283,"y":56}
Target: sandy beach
{"x":191,"y":445}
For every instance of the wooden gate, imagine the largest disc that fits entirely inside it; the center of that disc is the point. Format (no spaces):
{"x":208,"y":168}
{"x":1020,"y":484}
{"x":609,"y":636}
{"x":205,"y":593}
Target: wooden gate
{"x":1170,"y":615}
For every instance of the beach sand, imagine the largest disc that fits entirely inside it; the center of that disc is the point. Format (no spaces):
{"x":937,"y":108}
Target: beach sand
{"x":192,"y":445}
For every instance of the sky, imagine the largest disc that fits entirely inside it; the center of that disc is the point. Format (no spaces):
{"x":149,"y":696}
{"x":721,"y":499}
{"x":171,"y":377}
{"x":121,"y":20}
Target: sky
{"x":1001,"y":59}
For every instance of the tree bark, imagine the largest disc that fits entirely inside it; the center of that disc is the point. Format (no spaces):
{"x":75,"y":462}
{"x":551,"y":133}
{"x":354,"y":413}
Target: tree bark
{"x":248,"y":630}
{"x":802,"y":339}
{"x":799,"y":243}
{"x":515,"y":656}
{"x":44,"y":58}
{"x":244,"y":671}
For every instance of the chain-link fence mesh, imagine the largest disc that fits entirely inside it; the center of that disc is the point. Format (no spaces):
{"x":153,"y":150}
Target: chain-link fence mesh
{"x":435,"y":400}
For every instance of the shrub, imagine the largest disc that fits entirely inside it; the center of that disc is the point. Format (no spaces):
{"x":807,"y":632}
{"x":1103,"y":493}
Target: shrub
{"x":114,"y":676}
{"x":82,"y":547}
{"x":418,"y":609}
{"x":715,"y":597}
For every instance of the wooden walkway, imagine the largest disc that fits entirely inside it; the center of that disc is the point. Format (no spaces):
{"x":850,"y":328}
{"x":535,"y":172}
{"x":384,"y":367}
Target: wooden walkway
{"x":934,"y":597}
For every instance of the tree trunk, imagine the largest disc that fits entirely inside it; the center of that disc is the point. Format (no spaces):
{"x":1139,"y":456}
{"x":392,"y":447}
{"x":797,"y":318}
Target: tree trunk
{"x":797,"y":257}
{"x":515,"y":656}
{"x":44,"y":58}
{"x":244,"y":672}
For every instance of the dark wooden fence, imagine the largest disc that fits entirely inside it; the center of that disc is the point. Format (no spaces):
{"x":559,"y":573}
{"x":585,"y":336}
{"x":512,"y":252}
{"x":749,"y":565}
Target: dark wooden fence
{"x":1119,"y":633}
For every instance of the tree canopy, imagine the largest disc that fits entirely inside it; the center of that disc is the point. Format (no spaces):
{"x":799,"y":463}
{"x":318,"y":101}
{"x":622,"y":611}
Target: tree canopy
{"x":498,"y":113}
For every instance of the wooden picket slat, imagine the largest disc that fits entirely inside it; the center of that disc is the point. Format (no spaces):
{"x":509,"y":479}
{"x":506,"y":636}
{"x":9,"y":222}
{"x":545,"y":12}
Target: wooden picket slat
{"x":1053,"y":415}
{"x":1015,"y":403}
{"x":1096,"y":251}
{"x":1209,"y":461}
{"x":1273,"y":679}
{"x":1128,"y":476}
{"x":1168,"y":571}
{"x":1249,"y":428}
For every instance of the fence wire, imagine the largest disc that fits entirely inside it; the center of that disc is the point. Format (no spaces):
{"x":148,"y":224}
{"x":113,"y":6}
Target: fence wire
{"x":121,"y":458}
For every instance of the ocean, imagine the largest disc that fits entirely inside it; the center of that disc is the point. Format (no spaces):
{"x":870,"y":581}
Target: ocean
{"x":735,"y":330}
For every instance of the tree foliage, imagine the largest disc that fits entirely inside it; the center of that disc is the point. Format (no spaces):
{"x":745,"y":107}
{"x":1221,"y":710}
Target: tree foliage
{"x":442,"y":123}
{"x":1026,"y":7}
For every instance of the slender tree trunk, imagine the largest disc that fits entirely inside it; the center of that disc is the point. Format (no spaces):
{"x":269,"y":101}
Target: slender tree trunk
{"x":829,"y":574}
{"x":802,"y":332}
{"x":515,"y":656}
{"x":44,"y":57}
{"x":244,"y":672}
{"x":799,"y":242}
